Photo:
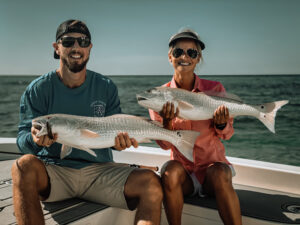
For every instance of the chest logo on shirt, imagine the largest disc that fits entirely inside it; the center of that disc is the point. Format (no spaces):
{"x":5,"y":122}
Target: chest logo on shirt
{"x":98,"y":108}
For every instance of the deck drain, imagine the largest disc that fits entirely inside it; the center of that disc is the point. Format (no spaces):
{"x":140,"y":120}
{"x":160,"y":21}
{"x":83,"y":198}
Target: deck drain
{"x":292,"y":208}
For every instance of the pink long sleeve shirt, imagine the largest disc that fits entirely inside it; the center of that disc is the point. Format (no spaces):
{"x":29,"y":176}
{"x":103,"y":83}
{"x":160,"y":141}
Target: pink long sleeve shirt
{"x":208,"y":147}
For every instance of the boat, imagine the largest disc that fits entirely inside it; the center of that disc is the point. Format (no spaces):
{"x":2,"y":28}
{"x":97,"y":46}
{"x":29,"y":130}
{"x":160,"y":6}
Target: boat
{"x":269,"y":193}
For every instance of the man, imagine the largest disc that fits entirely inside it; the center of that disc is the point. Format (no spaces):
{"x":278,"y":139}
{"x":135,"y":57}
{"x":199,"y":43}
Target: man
{"x":41,"y":175}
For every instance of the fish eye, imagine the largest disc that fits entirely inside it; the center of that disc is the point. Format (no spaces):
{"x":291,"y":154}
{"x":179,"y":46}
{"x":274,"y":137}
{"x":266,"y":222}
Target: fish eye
{"x":150,"y":90}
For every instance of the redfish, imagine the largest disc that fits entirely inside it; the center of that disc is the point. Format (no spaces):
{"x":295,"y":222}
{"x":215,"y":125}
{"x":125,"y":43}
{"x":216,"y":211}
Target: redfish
{"x":89,"y":133}
{"x":202,"y":105}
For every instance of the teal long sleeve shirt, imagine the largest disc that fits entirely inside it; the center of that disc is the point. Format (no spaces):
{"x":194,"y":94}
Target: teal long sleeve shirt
{"x":96,"y":97}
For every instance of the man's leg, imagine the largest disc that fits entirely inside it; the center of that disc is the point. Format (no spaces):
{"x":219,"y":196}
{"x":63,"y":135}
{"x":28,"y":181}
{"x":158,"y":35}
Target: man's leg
{"x":30,"y":181}
{"x":176,"y":183}
{"x":218,"y":183}
{"x":143,"y":188}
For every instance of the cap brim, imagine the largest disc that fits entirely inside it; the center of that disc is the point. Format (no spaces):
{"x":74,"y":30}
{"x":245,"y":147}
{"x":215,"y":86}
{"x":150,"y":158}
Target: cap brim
{"x":183,"y":36}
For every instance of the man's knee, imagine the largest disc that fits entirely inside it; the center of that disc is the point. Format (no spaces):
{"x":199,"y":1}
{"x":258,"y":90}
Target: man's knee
{"x":153,"y":181}
{"x":151,"y":186}
{"x":27,"y":169}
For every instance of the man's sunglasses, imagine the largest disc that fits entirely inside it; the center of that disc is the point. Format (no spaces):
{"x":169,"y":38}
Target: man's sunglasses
{"x":177,"y":52}
{"x":68,"y":42}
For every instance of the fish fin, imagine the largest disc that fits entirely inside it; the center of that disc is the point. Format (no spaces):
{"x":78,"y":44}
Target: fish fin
{"x":164,"y":88}
{"x":268,"y":113}
{"x":88,"y":150}
{"x":65,"y":151}
{"x":185,"y":105}
{"x":88,"y":133}
{"x":223,"y":94}
{"x":185,"y":145}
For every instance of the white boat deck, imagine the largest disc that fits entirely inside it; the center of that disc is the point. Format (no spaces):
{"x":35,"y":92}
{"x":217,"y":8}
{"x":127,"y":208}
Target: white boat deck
{"x":269,"y":194}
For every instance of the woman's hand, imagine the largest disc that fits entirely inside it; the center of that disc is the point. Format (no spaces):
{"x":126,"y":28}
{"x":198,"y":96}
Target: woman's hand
{"x":168,"y":114}
{"x":123,"y":141}
{"x":221,"y":115}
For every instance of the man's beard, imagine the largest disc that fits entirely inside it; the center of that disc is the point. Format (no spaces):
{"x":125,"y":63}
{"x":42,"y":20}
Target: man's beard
{"x":75,"y":67}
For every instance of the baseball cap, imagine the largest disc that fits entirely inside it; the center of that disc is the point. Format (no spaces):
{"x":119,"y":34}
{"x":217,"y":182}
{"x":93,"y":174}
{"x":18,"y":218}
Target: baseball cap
{"x":71,"y":26}
{"x":188,"y":34}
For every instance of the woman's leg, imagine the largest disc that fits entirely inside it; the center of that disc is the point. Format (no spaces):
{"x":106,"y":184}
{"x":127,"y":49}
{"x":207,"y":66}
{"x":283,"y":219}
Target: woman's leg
{"x":176,"y":184}
{"x":218,"y":183}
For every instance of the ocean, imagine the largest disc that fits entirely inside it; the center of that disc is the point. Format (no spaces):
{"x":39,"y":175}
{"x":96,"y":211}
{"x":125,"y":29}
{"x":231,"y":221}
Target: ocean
{"x":252,"y":140}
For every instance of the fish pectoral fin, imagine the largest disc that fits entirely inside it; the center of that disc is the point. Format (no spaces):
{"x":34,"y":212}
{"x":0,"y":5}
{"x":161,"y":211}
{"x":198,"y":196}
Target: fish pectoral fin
{"x":85,"y":148}
{"x":185,"y":105}
{"x":65,"y":150}
{"x":88,"y":133}
{"x":88,"y":150}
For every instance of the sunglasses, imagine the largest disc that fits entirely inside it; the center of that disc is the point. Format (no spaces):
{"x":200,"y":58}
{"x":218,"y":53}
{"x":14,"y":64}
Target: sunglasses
{"x":68,"y":42}
{"x":177,"y":52}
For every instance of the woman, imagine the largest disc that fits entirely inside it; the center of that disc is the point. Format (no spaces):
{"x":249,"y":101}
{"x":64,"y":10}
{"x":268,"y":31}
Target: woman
{"x":210,"y":173}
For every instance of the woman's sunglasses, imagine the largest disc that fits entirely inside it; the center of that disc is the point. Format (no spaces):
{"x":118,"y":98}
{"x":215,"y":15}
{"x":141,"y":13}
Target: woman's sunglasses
{"x":68,"y":42}
{"x":177,"y":52}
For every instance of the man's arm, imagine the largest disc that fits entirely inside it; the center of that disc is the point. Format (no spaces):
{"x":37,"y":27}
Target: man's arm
{"x":30,"y":107}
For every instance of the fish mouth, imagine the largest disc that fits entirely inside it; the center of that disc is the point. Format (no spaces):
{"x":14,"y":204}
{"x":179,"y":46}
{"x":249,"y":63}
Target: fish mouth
{"x":140,"y":98}
{"x":37,"y":125}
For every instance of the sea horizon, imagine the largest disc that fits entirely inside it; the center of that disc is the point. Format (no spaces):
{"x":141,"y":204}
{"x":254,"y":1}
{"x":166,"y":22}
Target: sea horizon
{"x":119,"y":75}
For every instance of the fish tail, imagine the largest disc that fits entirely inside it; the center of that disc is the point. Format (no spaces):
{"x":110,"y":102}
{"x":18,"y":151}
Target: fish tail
{"x":268,"y":118}
{"x":186,"y":141}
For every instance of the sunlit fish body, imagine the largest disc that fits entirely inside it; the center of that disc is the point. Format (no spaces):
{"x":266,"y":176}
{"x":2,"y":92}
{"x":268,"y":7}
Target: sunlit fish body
{"x":89,"y":133}
{"x":201,"y":106}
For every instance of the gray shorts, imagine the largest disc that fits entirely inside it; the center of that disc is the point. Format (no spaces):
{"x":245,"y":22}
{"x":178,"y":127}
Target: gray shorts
{"x":100,"y":182}
{"x":198,"y":189}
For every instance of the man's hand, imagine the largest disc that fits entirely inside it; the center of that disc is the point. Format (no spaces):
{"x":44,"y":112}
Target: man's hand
{"x":221,"y":115}
{"x":122,"y":141}
{"x":168,"y":114}
{"x":44,"y":140}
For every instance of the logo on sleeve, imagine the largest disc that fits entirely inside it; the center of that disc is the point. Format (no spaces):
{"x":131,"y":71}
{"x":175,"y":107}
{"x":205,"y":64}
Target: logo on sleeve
{"x":98,"y":108}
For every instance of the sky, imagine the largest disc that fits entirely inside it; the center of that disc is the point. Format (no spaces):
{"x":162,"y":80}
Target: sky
{"x":130,"y":37}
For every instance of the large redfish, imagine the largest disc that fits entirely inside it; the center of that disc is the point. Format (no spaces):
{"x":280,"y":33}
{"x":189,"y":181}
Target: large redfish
{"x":89,"y":133}
{"x":201,"y":106}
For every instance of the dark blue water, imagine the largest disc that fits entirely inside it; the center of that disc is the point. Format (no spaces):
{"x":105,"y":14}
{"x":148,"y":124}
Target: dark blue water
{"x":252,"y":140}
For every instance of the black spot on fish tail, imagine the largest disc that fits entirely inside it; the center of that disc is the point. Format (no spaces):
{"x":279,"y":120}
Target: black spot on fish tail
{"x":49,"y":131}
